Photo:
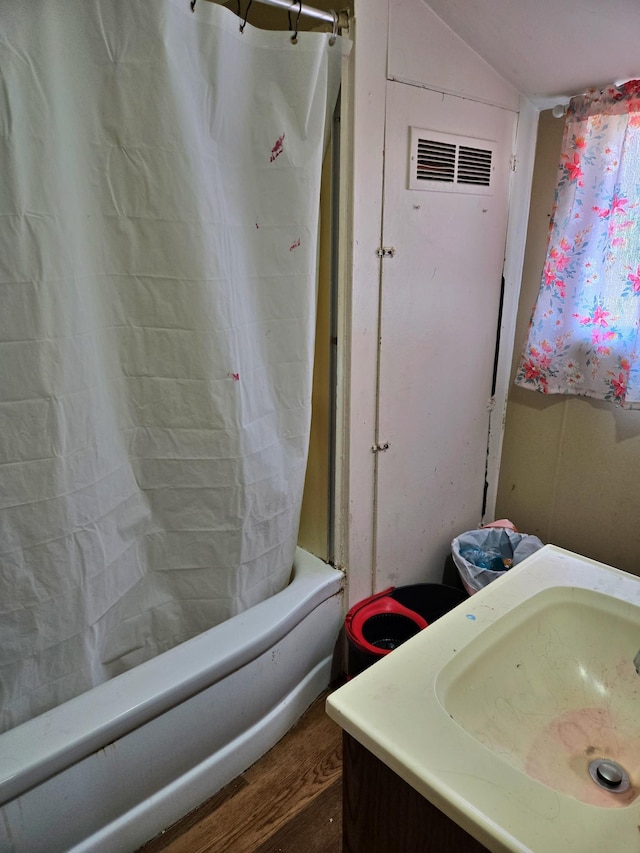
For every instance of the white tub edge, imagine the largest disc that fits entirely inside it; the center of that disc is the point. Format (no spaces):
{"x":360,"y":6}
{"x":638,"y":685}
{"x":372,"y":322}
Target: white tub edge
{"x":156,"y":814}
{"x":46,"y":745}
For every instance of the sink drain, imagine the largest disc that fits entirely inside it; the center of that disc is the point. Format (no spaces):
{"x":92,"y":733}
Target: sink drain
{"x":609,"y":775}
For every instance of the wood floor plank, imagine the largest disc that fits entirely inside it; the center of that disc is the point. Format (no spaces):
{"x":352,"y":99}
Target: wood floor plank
{"x":162,"y":842}
{"x":282,"y":785}
{"x":316,"y":829}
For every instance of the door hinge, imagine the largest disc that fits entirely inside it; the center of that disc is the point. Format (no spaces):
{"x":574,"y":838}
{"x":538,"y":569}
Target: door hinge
{"x":513,"y":161}
{"x":380,"y":447}
{"x":385,"y":252}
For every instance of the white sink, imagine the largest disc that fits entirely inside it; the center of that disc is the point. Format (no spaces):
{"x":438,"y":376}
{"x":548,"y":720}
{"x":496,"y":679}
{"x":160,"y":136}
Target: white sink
{"x":551,"y":688}
{"x":497,"y":712}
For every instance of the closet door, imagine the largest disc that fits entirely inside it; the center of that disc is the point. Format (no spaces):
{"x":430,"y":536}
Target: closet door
{"x":439,"y":314}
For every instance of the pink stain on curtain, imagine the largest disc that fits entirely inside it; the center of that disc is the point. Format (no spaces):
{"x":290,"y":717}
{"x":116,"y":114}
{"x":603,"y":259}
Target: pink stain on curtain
{"x":277,"y":149}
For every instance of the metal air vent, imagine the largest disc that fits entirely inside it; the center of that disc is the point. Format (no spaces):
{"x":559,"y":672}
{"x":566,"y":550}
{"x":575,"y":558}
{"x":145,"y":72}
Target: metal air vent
{"x":435,"y":161}
{"x":446,"y":163}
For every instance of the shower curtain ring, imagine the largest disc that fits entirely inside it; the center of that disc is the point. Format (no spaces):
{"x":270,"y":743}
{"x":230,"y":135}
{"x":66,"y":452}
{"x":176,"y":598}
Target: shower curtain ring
{"x":294,"y":37}
{"x":246,"y":15}
{"x":334,"y":34}
{"x":193,"y":5}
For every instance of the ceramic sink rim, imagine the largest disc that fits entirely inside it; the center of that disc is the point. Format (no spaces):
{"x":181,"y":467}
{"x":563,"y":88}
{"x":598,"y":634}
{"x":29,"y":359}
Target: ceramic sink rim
{"x":551,"y":687}
{"x":389,"y":707}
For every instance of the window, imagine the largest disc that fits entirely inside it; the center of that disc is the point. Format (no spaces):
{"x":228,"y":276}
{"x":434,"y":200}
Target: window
{"x":583,"y":336}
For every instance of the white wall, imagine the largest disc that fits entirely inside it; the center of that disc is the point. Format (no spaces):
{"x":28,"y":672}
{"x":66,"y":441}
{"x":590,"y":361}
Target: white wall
{"x":405,"y":41}
{"x":425,"y":52}
{"x":363,"y":162}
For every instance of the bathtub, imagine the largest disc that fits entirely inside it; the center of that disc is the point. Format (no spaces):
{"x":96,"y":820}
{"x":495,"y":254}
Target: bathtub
{"x":112,"y":768}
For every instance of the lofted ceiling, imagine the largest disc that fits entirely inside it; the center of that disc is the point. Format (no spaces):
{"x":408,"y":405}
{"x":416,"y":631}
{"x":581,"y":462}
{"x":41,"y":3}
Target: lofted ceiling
{"x":550,"y":49}
{"x":547,"y":49}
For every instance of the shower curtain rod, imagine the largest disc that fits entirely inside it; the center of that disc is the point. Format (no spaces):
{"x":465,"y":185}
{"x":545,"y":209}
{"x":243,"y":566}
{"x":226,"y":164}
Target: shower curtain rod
{"x":340,"y":20}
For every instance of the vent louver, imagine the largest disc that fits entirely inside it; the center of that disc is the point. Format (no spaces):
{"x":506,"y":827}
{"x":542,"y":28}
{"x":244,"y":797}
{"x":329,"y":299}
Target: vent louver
{"x":447,"y":163}
{"x":436,"y":161}
{"x":474,"y":166}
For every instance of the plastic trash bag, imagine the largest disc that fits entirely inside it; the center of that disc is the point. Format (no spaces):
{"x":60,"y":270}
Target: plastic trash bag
{"x":483,"y":555}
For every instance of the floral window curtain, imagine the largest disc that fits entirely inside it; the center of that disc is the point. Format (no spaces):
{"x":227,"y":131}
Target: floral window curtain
{"x":583,"y":336}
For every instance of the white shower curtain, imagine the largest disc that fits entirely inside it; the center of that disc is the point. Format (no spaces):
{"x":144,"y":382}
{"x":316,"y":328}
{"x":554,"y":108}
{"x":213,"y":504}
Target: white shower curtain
{"x":159,"y":198}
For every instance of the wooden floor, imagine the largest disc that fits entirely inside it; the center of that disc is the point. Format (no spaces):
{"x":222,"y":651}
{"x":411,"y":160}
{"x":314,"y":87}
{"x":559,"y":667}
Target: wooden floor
{"x":289,"y":802}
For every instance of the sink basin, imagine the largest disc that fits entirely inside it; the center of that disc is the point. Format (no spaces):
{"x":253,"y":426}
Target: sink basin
{"x":552,"y":688}
{"x":503,"y":711}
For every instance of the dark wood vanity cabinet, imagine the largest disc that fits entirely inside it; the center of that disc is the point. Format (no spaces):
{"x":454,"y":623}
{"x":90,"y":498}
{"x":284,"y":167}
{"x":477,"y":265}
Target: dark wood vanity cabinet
{"x":383,"y":814}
